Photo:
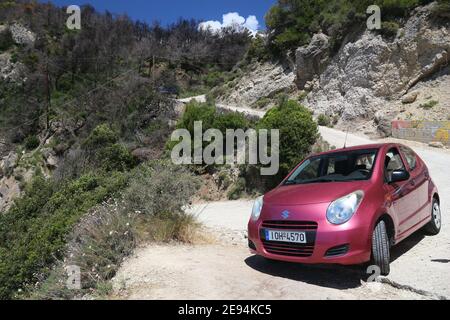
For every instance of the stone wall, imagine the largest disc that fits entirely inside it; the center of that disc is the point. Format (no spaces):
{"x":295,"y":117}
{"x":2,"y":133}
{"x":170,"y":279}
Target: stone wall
{"x":422,"y":131}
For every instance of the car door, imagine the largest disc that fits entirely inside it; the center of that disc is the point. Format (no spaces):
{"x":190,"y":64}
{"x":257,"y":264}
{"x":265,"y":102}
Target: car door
{"x":420,"y":180}
{"x":401,"y":193}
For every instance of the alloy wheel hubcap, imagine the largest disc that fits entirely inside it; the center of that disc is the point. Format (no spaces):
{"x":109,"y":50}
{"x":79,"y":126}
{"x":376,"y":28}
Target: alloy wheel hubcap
{"x":437,"y":215}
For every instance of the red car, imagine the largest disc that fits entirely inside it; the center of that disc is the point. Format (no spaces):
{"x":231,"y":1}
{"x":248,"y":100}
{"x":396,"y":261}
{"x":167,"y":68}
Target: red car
{"x":346,"y":206}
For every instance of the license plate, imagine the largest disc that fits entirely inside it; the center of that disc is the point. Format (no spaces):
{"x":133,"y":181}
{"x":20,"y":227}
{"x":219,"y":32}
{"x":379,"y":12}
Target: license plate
{"x":285,"y":236}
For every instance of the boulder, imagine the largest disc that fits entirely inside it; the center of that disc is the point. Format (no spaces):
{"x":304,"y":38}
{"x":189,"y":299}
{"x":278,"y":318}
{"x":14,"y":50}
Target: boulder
{"x":410,"y":97}
{"x":22,"y":35}
{"x":311,"y":60}
{"x":8,"y":163}
{"x":436,"y":144}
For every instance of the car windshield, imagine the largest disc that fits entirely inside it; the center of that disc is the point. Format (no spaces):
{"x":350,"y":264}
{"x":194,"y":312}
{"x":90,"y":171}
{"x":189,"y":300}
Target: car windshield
{"x":335,"y":167}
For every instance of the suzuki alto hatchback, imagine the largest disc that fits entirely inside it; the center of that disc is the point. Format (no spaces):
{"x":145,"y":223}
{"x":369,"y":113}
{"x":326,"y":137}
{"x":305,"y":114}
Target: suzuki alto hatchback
{"x":346,"y":206}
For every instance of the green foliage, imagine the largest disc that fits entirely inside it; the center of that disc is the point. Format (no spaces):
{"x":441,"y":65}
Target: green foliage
{"x":116,"y":157}
{"x":206,"y":113}
{"x":196,"y":111}
{"x":104,"y":151}
{"x":291,"y":23}
{"x":323,"y":120}
{"x":389,"y":28}
{"x":160,"y":187}
{"x":100,"y":137}
{"x":31,"y":142}
{"x":258,"y":50}
{"x":237,"y":189}
{"x":33,"y":232}
{"x":6,"y":40}
{"x":298,"y":132}
{"x":442,"y":9}
{"x":429,"y":105}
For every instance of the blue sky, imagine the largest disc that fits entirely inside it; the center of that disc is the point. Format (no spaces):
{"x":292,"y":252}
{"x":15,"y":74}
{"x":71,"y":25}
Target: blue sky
{"x":168,"y":11}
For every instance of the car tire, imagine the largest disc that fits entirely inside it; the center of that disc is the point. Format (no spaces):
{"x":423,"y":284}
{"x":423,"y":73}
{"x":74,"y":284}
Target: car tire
{"x":381,"y":248}
{"x":434,"y":226}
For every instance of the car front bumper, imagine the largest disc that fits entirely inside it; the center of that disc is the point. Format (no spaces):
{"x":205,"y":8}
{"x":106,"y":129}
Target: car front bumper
{"x":345,"y":244}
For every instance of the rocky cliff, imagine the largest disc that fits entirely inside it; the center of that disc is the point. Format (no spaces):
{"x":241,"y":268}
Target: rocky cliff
{"x":370,"y":75}
{"x":371,"y":80}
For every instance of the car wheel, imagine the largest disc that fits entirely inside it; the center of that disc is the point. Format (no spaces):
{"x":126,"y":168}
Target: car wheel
{"x":381,"y":248}
{"x":434,"y":226}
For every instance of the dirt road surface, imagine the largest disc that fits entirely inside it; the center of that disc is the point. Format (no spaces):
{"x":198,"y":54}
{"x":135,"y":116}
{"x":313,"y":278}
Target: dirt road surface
{"x":226,"y":269}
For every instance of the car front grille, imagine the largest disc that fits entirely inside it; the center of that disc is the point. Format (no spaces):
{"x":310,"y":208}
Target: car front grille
{"x":286,"y":248}
{"x":291,"y":225}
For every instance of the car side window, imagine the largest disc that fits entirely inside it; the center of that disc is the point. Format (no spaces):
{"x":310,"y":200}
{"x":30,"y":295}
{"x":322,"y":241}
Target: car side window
{"x":393,"y":161}
{"x":410,"y":157}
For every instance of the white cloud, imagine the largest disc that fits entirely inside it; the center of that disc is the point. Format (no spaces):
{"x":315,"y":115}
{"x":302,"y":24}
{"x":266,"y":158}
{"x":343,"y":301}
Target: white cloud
{"x":232,"y":19}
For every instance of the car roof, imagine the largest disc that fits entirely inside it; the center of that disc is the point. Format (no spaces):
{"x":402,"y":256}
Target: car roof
{"x":360,"y":147}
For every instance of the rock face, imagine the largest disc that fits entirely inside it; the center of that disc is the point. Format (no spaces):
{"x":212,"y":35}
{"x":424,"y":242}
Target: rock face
{"x":369,"y":73}
{"x":265,"y":80}
{"x":311,"y":60}
{"x":10,"y":71}
{"x":22,"y":35}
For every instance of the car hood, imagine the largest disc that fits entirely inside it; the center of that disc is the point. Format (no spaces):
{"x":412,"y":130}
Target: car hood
{"x":312,"y":193}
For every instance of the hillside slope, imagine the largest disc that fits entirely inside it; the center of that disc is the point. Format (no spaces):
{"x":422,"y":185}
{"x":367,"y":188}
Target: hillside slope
{"x":372,"y":79}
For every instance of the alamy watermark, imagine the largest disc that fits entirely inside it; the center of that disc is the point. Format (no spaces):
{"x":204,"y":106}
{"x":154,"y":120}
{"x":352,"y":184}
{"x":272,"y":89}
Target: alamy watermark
{"x":241,"y":147}
{"x":74,"y":20}
{"x":73,"y":277}
{"x":374,"y":20}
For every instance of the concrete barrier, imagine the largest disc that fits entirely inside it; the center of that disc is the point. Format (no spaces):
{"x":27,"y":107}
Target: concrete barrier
{"x":422,"y":131}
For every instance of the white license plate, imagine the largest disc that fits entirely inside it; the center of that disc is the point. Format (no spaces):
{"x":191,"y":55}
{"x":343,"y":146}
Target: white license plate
{"x":285,"y":236}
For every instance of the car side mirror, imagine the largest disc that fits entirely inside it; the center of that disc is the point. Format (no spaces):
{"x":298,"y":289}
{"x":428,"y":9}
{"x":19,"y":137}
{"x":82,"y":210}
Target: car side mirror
{"x":399,"y":175}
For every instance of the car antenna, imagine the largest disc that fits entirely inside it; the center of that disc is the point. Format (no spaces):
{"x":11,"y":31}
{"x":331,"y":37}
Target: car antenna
{"x":346,"y":136}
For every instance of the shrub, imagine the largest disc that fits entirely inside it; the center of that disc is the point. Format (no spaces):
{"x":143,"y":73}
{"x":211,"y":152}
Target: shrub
{"x":389,"y":28}
{"x":6,"y":40}
{"x":116,"y":157}
{"x":258,"y":50}
{"x":100,"y":137}
{"x":160,"y":187}
{"x":32,"y":142}
{"x":196,"y":111}
{"x":237,"y":189}
{"x":429,"y":105}
{"x":33,"y":232}
{"x":232,"y":120}
{"x":298,"y":132}
{"x":323,"y":120}
{"x":442,"y":9}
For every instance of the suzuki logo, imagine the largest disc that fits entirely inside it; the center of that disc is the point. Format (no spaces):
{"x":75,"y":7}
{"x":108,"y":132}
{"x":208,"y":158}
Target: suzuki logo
{"x":285,"y":214}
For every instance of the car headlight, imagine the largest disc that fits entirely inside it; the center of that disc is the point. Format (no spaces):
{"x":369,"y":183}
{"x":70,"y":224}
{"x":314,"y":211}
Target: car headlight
{"x":342,"y":210}
{"x":257,"y":207}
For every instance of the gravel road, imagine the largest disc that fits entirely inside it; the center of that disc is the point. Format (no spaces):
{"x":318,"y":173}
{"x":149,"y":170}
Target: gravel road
{"x":226,"y":270}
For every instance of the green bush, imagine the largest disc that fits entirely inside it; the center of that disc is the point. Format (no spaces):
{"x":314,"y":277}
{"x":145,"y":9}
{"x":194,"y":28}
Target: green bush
{"x":100,"y":137}
{"x":389,"y":28}
{"x":116,"y":157}
{"x":298,"y":132}
{"x":33,"y":233}
{"x":258,"y":50}
{"x":429,"y":105}
{"x":442,"y":9}
{"x":291,"y":23}
{"x":237,"y":190}
{"x":32,"y":142}
{"x":196,"y":111}
{"x":6,"y":40}
{"x":206,"y":113}
{"x":323,"y":120}
{"x":159,"y":188}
